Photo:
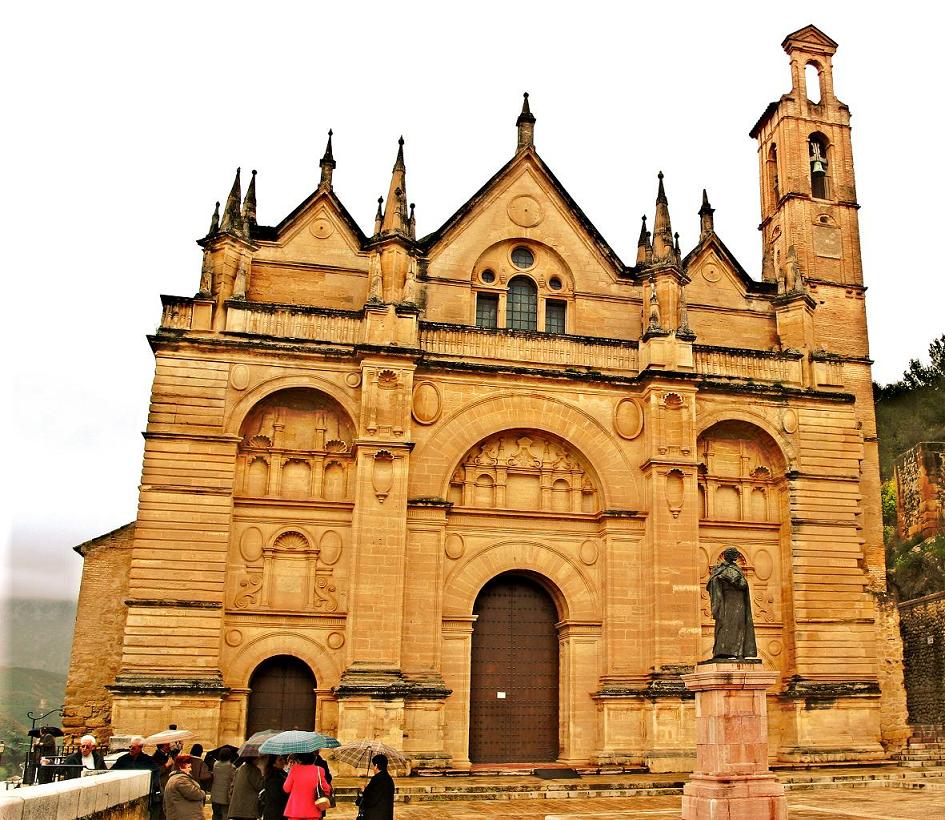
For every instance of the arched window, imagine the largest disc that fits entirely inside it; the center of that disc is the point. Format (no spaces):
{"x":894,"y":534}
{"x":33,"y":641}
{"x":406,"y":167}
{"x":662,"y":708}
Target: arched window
{"x":812,"y":80}
{"x":522,"y":305}
{"x":773,"y":183}
{"x":819,"y":182}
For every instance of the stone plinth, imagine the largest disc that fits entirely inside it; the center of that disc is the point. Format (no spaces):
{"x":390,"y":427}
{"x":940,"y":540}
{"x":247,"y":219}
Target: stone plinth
{"x":732,"y":780}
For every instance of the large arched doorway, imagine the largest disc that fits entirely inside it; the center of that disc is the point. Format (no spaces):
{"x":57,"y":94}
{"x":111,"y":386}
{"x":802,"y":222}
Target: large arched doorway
{"x":282,"y":696}
{"x":514,"y":681}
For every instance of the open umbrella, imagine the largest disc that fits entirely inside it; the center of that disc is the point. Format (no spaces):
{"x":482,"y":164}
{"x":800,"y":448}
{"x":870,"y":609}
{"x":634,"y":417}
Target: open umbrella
{"x":358,"y":753}
{"x":296,"y":742}
{"x":55,"y":731}
{"x":170,"y":736}
{"x":250,"y":747}
{"x":210,"y":758}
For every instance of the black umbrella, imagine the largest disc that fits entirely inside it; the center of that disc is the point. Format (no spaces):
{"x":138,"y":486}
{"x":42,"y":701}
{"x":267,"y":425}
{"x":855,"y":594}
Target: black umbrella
{"x":211,"y":757}
{"x":55,"y":731}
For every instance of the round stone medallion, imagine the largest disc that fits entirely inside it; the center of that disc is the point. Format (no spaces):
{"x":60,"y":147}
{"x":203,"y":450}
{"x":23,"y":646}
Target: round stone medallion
{"x":525,"y":211}
{"x":789,"y":420}
{"x":628,"y":418}
{"x":589,"y":552}
{"x":234,"y":637}
{"x":336,"y":640}
{"x":321,"y":228}
{"x":454,"y":546}
{"x":711,"y":273}
{"x":426,"y":403}
{"x":764,"y":565}
{"x":251,"y":544}
{"x":353,"y":379}
{"x":239,"y":376}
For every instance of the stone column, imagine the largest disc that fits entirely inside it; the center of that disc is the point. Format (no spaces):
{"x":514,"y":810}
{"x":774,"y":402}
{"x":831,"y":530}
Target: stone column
{"x":732,"y":780}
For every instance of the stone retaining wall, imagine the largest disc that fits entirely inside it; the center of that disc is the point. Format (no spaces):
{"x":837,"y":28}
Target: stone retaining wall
{"x":922,"y":622}
{"x":108,"y":796}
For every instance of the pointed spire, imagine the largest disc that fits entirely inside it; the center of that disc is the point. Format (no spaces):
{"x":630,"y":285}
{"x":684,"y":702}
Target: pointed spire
{"x":644,"y":248}
{"x":676,"y":246}
{"x":249,"y":206}
{"x":379,"y":216}
{"x":215,"y":220}
{"x":412,"y":222}
{"x":526,"y":126}
{"x":327,"y":165}
{"x":706,"y":220}
{"x":662,"y":228}
{"x":395,"y":214}
{"x":232,"y":220}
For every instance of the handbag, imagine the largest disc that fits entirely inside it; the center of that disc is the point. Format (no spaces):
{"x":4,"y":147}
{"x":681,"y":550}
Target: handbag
{"x":322,"y":801}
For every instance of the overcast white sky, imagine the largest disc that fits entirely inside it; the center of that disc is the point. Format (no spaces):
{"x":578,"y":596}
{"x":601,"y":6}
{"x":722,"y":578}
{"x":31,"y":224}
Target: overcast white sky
{"x":123,"y":124}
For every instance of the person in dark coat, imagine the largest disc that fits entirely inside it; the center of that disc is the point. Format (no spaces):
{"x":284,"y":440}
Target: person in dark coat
{"x":320,"y":761}
{"x":244,"y":796}
{"x":273,"y":797}
{"x":88,"y":757}
{"x":223,"y":773}
{"x":199,"y":770}
{"x":377,"y":801}
{"x":183,"y":797}
{"x":136,"y":759}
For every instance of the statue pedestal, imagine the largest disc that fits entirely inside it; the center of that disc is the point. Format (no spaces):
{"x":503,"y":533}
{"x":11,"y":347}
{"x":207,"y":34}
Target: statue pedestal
{"x":732,"y":780}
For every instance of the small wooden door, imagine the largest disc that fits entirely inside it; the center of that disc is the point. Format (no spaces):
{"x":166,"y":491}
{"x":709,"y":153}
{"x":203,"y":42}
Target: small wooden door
{"x":282,"y":696}
{"x":514,"y":680}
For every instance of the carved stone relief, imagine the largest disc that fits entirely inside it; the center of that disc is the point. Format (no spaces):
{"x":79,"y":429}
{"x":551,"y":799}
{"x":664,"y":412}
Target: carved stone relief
{"x":385,"y":402}
{"x":288,"y":574}
{"x":296,"y":444}
{"x":525,"y":470}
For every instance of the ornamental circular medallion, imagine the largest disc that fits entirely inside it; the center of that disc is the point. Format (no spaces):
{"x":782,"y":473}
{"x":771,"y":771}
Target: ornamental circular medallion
{"x":353,"y":379}
{"x":239,"y":376}
{"x":525,"y":211}
{"x":775,"y":648}
{"x":711,"y":273}
{"x":789,"y":420}
{"x":234,"y":637}
{"x":628,"y":418}
{"x":454,"y":546}
{"x":588,"y":552}
{"x":336,"y":640}
{"x":764,"y":565}
{"x":251,"y":544}
{"x":330,"y":547}
{"x":426,"y":403}
{"x":321,"y":228}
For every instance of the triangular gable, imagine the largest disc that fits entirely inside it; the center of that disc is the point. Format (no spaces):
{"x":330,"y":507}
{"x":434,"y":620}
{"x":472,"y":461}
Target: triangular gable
{"x":713,"y":245}
{"x":467,"y":208}
{"x":308,"y":205}
{"x":811,"y":38}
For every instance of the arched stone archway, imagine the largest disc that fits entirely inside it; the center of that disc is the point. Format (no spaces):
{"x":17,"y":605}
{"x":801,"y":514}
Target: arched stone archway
{"x":480,"y":419}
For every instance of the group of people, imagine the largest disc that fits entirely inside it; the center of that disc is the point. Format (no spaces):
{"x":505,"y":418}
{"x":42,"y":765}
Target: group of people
{"x":270,"y":787}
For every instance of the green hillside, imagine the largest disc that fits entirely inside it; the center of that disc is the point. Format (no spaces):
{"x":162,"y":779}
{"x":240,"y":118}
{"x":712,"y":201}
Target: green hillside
{"x":24,"y":690}
{"x":907,"y":412}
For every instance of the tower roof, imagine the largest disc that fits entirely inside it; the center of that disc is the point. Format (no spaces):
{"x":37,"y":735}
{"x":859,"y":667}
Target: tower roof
{"x":809,"y":38}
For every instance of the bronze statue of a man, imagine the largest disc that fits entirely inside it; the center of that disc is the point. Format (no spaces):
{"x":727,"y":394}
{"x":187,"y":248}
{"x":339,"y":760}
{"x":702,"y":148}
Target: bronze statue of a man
{"x":731,"y":609}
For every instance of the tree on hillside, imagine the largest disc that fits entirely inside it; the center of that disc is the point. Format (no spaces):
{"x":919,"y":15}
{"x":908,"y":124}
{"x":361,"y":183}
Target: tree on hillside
{"x":912,"y":409}
{"x":907,"y":412}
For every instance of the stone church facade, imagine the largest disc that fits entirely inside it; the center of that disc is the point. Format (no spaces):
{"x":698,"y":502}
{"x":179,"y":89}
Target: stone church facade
{"x":463,"y":492}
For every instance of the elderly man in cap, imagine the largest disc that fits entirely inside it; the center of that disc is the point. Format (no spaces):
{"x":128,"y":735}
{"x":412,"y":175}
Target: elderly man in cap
{"x":88,"y":758}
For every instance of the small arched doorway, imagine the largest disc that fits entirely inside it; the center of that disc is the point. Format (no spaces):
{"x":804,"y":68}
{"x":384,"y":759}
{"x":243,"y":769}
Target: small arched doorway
{"x":514,"y":677}
{"x":282,"y":696}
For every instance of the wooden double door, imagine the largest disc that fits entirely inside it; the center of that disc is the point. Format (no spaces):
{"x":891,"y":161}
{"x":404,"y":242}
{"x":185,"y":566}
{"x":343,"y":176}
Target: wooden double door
{"x":514,"y":680}
{"x":282,"y":696}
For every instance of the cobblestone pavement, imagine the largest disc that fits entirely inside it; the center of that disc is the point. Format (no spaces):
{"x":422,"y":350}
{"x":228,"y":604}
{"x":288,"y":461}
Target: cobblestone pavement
{"x":873,"y":802}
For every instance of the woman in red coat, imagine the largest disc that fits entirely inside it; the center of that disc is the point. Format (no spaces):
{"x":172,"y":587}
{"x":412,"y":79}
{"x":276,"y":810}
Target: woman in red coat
{"x":300,"y":786}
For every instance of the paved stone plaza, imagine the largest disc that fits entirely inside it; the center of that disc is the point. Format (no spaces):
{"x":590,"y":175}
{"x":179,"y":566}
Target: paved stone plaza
{"x":875,"y":803}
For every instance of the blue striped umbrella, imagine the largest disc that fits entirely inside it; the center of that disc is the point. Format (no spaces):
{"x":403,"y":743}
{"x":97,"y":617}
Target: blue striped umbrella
{"x":296,"y":742}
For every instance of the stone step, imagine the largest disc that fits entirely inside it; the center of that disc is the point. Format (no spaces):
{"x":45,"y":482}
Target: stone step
{"x":501,"y":788}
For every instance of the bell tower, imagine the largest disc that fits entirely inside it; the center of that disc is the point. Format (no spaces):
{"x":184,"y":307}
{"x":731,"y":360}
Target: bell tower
{"x":808,"y":195}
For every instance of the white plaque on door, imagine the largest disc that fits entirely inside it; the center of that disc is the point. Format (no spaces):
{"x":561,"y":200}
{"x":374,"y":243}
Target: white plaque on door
{"x":500,"y":695}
